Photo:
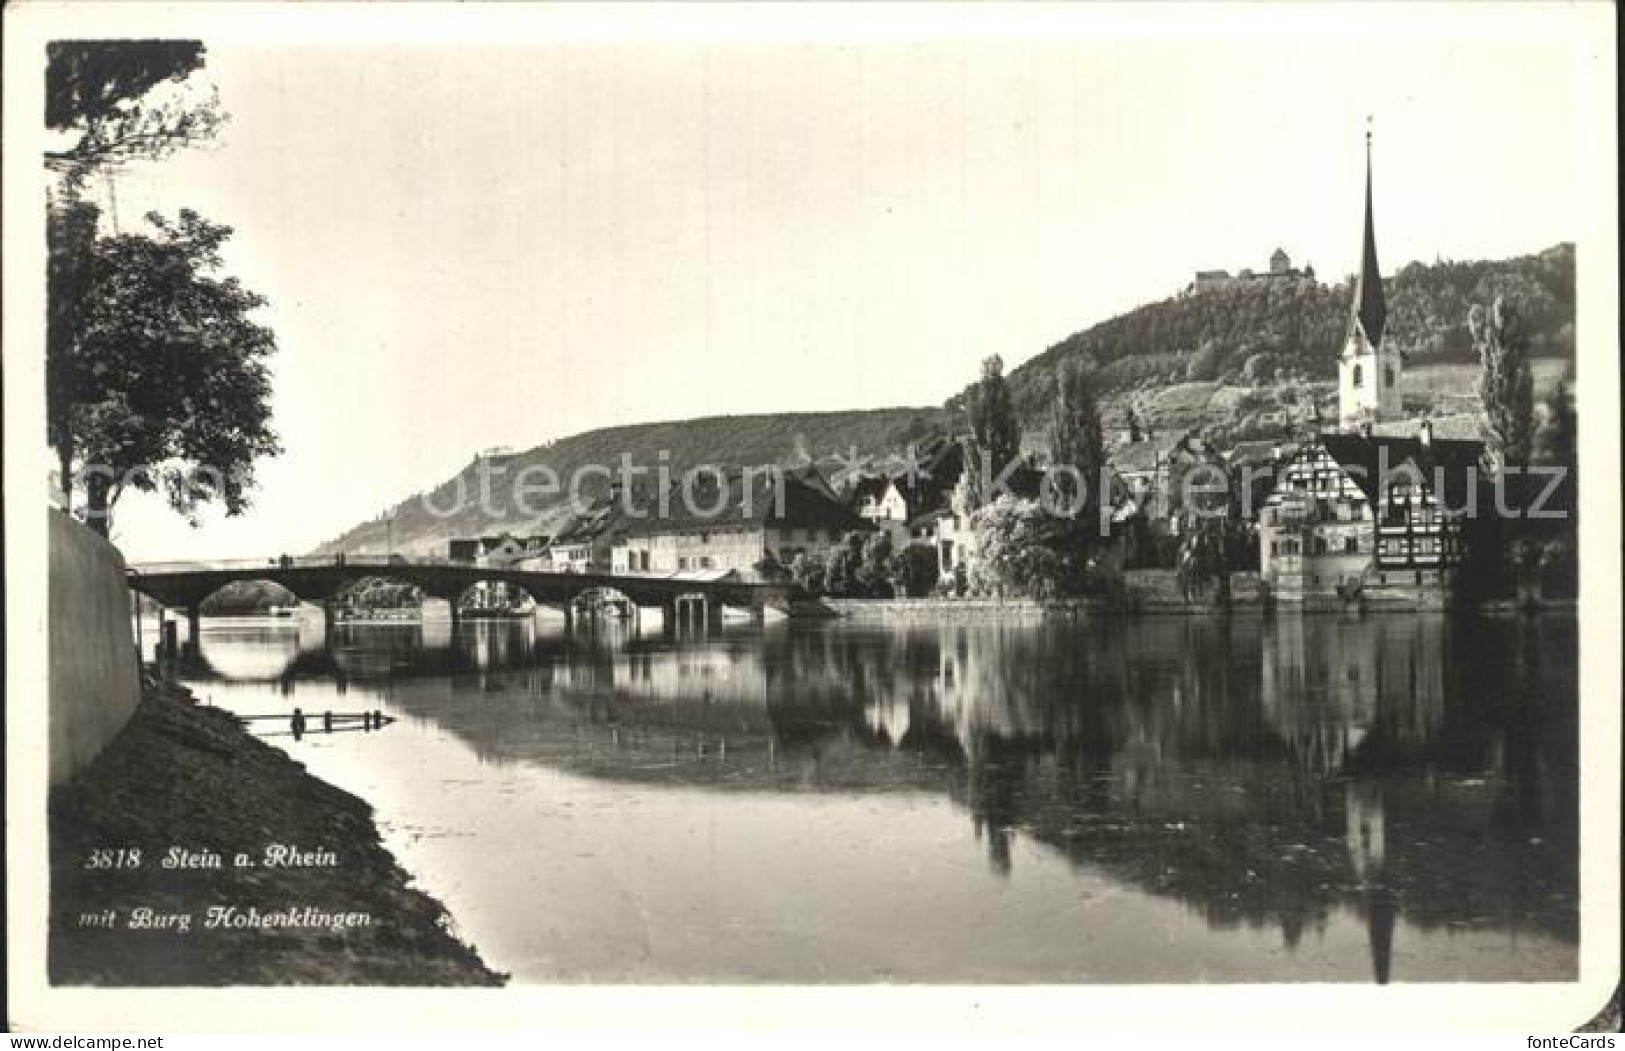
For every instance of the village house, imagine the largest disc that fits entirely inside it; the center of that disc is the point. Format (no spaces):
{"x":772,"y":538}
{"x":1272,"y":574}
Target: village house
{"x":585,"y":542}
{"x":907,"y":503}
{"x":1148,"y":471}
{"x":1371,"y":516}
{"x":502,"y":549}
{"x":739,"y":525}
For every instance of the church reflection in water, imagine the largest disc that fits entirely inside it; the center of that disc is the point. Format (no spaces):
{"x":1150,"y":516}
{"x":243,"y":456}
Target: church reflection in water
{"x":1265,"y":773}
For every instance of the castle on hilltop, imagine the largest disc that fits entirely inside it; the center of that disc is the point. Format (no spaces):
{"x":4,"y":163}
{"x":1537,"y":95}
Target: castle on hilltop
{"x":1281,"y":269}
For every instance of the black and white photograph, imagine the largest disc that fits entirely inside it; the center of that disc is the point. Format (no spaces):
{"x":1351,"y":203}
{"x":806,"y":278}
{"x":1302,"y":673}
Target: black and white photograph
{"x":562,"y":500}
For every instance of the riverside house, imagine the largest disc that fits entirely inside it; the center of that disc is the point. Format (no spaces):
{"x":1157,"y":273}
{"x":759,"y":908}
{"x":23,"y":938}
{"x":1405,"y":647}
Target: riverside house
{"x":585,"y":543}
{"x":1368,"y":515}
{"x":739,"y":524}
{"x":503,"y":549}
{"x":907,"y":502}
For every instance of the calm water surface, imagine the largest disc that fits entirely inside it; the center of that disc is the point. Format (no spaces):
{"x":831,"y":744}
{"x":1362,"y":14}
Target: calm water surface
{"x":1178,"y":799}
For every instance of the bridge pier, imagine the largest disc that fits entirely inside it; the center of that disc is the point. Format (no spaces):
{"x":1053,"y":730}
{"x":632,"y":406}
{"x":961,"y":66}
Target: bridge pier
{"x":194,"y":628}
{"x":694,"y":611}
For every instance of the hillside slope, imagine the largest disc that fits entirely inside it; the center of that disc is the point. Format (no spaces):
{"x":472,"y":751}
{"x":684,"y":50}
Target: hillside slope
{"x":423,"y":522}
{"x":1245,"y":361}
{"x":1292,"y":330}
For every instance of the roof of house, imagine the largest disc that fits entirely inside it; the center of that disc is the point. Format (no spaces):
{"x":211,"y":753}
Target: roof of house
{"x":588,"y":525}
{"x":1442,"y":462}
{"x":812,"y":476}
{"x":1024,"y":482}
{"x":868,"y":487}
{"x":923,"y":477}
{"x":934,"y":471}
{"x":926,"y":518}
{"x":1260,"y":452}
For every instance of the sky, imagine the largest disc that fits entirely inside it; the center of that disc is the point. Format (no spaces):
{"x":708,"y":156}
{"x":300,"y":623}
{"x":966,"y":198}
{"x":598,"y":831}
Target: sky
{"x":465,"y":247}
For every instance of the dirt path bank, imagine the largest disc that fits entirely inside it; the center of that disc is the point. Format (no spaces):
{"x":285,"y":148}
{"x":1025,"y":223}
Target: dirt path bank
{"x":252,"y":870}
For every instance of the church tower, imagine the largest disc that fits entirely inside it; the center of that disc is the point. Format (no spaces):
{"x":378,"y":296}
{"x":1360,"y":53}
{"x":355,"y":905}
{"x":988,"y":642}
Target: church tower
{"x":1369,"y":372}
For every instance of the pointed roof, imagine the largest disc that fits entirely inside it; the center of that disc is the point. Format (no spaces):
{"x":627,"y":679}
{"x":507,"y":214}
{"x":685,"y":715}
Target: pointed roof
{"x":1370,"y":311}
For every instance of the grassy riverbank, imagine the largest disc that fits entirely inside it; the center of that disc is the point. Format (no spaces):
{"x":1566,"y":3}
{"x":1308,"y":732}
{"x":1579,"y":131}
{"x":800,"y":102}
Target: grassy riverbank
{"x":186,"y":780}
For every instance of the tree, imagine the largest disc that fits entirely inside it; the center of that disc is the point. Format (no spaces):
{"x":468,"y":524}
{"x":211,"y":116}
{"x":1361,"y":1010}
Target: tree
{"x":874,"y":573}
{"x":842,"y":566}
{"x":991,"y":414}
{"x":808,"y":571}
{"x":1557,"y":445}
{"x":159,"y":377}
{"x":1208,"y":361}
{"x":102,"y":93}
{"x":915,"y":570}
{"x":1206,"y":502}
{"x":1505,"y":384}
{"x":770,"y":569}
{"x":1014,"y":550}
{"x":1077,"y":445}
{"x":70,"y":263}
{"x":1558,"y":438}
{"x":1135,"y":430}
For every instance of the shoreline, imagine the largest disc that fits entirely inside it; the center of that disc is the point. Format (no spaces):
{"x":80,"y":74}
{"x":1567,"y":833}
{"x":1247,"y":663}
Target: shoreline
{"x":249,"y":871}
{"x":970,"y":609}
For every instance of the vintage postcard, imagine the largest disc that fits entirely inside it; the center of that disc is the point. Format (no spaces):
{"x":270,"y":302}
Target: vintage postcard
{"x":1080,"y":516}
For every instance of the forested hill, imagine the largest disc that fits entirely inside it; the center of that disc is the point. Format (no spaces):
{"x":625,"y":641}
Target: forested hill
{"x":1285,"y":328}
{"x":786,"y":439}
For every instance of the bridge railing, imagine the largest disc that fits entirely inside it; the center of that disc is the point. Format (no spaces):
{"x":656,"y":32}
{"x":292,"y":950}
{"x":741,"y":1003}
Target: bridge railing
{"x":385,"y":564}
{"x":233,"y":565}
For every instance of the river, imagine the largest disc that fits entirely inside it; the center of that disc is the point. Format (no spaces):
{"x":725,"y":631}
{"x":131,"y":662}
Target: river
{"x":1181,"y":799}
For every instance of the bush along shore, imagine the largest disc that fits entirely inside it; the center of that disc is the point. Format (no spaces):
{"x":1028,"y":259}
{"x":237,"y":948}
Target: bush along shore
{"x":191,"y":853}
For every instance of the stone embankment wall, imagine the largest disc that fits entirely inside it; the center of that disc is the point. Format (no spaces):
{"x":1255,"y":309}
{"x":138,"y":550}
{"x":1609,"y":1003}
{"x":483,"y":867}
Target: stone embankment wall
{"x":95,"y":681}
{"x":959,"y":608}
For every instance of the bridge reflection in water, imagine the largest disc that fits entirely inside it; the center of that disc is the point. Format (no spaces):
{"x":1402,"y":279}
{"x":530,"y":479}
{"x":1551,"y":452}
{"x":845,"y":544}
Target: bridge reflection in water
{"x":1410,"y":774}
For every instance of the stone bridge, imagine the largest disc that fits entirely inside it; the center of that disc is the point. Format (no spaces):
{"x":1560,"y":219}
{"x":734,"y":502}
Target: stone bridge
{"x":184,"y":585}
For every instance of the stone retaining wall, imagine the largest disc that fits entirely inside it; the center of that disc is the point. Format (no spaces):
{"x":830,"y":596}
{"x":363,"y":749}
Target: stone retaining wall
{"x":95,"y":681}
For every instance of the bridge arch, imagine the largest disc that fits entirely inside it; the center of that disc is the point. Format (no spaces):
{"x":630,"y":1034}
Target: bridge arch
{"x":494,"y":594}
{"x":603,"y":601}
{"x":248,"y":596}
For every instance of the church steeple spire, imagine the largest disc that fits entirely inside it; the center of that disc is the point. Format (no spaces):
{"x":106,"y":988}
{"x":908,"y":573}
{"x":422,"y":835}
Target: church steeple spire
{"x":1370,"y":309}
{"x":1369,"y":370}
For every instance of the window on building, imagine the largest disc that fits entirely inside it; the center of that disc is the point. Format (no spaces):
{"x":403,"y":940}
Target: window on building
{"x":1358,"y":375}
{"x":705,"y":561}
{"x":1320,"y":545}
{"x":1388,"y":376}
{"x":705,"y":538}
{"x":682,"y":561}
{"x":1351,"y":545}
{"x":1418,"y":576}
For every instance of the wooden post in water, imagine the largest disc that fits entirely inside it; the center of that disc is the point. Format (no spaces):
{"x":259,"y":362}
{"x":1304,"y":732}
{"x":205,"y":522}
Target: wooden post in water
{"x":168,"y":644}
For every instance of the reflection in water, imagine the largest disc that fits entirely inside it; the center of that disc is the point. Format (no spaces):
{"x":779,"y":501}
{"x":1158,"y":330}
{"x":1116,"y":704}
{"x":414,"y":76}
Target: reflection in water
{"x":1411,"y":778}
